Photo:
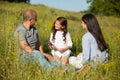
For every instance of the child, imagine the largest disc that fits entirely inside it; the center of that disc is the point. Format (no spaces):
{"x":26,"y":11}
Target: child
{"x":93,"y":44}
{"x":60,"y":40}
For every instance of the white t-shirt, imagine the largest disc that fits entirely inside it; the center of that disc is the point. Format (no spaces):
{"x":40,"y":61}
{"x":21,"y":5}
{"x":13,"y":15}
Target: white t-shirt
{"x":60,"y":43}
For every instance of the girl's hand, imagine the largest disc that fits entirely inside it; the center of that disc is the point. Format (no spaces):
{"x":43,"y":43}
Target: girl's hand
{"x":49,"y":44}
{"x":52,"y":47}
{"x":62,"y":50}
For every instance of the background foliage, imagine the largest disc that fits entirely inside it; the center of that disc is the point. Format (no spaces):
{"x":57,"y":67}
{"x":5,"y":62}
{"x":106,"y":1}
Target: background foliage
{"x":26,"y":1}
{"x":105,"y":7}
{"x":101,"y":7}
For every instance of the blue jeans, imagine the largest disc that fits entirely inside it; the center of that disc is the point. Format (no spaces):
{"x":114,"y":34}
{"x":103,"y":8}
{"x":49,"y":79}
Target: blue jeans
{"x":37,"y":57}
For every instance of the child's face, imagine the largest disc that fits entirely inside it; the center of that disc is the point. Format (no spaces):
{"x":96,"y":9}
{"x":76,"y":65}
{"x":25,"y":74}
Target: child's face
{"x":58,"y":26}
{"x":84,"y":25}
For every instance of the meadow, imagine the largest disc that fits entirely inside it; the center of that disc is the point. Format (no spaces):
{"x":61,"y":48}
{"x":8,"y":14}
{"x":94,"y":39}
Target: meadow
{"x":11,"y":68}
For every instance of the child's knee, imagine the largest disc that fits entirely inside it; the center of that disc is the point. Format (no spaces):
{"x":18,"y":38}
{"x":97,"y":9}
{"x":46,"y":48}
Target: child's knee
{"x":64,"y":60}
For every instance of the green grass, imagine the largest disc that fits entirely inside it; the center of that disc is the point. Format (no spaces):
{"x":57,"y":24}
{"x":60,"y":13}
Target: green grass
{"x":11,"y":68}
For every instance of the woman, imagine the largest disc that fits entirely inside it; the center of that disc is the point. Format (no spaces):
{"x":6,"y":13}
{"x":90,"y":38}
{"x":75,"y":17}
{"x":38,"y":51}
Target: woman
{"x":94,"y":46}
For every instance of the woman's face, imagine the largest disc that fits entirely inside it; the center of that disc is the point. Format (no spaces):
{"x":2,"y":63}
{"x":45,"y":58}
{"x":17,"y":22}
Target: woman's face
{"x":58,"y":26}
{"x":84,"y":26}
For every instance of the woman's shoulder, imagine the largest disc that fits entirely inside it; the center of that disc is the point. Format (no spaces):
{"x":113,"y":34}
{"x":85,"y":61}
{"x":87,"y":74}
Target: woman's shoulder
{"x":87,"y":35}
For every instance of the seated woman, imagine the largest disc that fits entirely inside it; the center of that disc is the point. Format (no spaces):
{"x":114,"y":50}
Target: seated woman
{"x":94,"y":46}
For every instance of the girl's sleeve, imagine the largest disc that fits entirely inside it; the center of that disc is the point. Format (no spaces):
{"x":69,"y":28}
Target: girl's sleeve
{"x":51,"y":38}
{"x":86,"y":48}
{"x":68,"y":40}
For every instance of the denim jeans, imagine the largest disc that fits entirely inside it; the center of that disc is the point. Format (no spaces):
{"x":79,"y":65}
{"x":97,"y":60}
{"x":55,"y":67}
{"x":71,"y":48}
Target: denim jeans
{"x":37,"y":57}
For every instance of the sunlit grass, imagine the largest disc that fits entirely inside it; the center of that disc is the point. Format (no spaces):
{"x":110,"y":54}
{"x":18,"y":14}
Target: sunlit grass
{"x":11,"y":68}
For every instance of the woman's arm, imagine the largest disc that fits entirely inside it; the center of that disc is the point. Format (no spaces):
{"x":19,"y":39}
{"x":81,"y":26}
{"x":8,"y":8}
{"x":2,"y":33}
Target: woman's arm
{"x":86,"y":50}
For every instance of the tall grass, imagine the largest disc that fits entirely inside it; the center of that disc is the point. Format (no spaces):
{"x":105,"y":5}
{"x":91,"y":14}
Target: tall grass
{"x":11,"y":68}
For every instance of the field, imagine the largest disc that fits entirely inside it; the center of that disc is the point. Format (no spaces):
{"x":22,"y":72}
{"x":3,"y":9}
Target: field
{"x":11,"y":68}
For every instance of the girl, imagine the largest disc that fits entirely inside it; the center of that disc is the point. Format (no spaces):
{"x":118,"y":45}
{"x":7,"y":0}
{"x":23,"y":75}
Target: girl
{"x":93,"y":44}
{"x":60,"y":40}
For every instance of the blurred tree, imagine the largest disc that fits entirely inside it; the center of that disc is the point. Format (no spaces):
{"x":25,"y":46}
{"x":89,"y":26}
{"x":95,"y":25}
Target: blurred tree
{"x":26,"y":1}
{"x":105,"y":7}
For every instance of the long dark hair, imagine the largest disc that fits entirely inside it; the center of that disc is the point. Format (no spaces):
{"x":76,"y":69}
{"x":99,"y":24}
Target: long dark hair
{"x":63,"y":22}
{"x":94,"y":28}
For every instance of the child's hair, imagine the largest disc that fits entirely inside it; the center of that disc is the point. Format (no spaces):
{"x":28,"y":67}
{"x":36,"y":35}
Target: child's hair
{"x":94,"y":28}
{"x":63,"y":22}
